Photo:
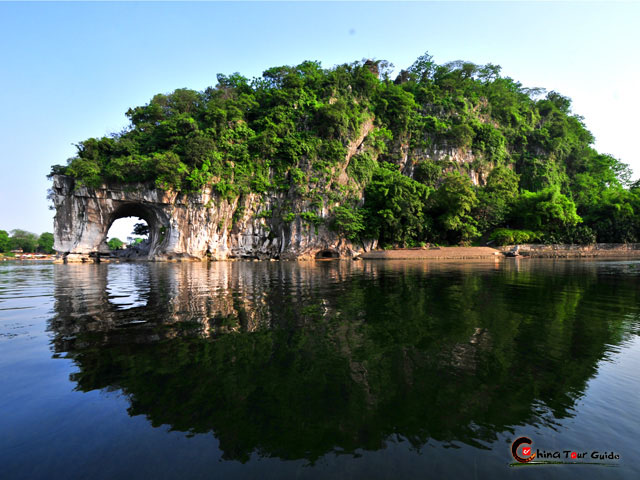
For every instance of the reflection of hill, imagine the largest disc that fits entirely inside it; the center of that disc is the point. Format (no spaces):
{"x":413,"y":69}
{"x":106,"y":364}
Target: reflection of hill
{"x":295,"y":361}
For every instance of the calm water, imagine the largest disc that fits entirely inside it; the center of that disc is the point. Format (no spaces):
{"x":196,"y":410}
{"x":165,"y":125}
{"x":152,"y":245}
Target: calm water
{"x":317,"y":370}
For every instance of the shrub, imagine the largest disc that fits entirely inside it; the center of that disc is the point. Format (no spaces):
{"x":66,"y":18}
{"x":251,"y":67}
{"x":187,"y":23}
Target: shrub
{"x":506,"y":236}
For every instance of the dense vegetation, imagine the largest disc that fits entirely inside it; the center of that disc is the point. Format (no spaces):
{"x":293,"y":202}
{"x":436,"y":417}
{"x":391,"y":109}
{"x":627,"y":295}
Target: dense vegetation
{"x":26,"y":241}
{"x":538,"y":176}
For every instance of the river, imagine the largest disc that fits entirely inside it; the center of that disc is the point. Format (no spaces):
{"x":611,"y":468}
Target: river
{"x":331,"y":369}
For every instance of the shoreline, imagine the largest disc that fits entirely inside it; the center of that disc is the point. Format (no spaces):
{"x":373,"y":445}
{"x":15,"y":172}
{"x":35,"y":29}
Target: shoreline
{"x":601,"y":250}
{"x":45,"y":258}
{"x":434,"y":253}
{"x":598,"y":250}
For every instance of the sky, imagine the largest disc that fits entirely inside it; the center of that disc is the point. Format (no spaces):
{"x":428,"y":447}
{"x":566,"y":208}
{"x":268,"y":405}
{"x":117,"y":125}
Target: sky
{"x":70,"y":71}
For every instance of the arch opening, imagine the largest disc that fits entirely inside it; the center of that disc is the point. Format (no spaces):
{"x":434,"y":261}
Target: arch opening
{"x":327,"y":254}
{"x":128,"y":234}
{"x":133,"y":232}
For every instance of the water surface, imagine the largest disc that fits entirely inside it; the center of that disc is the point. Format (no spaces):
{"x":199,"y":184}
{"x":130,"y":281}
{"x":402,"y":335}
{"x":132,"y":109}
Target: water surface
{"x":318,"y":369}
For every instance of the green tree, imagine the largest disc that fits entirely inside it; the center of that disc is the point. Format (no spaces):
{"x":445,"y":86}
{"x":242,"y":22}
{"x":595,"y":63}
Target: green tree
{"x":395,"y":207}
{"x":45,"y":243}
{"x":141,"y":229}
{"x":423,"y":68}
{"x":496,"y":199}
{"x":5,"y":242}
{"x":115,"y":243}
{"x":428,"y":172}
{"x":350,"y":222}
{"x":615,"y":217}
{"x":27,"y":241}
{"x":450,"y":205}
{"x":547,"y":210}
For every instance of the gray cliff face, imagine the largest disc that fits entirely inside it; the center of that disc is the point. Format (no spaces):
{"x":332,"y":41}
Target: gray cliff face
{"x":459,"y":159}
{"x":194,"y":227}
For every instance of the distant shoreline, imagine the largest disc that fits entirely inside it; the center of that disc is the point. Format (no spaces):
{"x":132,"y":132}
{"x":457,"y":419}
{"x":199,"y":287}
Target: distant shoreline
{"x":31,"y":258}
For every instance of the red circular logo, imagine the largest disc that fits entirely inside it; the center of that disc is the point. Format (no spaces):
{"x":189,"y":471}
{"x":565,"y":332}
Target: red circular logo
{"x":527,"y":451}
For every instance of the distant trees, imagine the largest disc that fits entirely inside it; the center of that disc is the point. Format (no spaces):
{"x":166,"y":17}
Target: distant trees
{"x":26,"y":241}
{"x":115,"y":243}
{"x":5,"y":242}
{"x":141,"y":229}
{"x":21,"y":239}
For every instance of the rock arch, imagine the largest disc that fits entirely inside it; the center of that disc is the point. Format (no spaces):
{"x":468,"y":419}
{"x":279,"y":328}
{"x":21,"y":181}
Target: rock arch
{"x":155,"y":218}
{"x":84,"y":216}
{"x":194,"y":226}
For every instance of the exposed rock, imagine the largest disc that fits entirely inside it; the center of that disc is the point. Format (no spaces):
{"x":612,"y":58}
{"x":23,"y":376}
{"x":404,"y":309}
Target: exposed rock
{"x":184,"y":226}
{"x":459,"y":159}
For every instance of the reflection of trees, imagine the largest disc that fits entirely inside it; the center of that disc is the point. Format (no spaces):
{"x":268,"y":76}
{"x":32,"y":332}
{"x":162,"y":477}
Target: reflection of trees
{"x":294,"y":361}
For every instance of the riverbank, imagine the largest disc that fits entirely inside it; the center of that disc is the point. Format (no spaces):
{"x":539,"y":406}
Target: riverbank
{"x":434,"y":253}
{"x":27,"y":256}
{"x":531,"y":250}
{"x":603,"y":250}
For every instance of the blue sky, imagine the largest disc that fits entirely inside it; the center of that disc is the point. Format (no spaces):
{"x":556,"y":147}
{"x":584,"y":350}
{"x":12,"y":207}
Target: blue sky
{"x":70,"y":71}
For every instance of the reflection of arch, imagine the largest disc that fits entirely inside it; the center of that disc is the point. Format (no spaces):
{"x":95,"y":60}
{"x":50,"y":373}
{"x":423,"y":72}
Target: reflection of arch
{"x":128,"y":286}
{"x":154,"y":217}
{"x":327,"y":254}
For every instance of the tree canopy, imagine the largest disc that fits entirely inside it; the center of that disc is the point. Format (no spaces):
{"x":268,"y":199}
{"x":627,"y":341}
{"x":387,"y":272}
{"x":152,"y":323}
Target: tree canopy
{"x":21,"y":239}
{"x":141,"y":229}
{"x":115,"y":243}
{"x":45,"y":243}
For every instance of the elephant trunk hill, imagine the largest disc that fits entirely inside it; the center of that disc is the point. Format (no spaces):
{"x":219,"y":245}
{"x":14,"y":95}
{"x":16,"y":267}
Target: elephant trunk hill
{"x":310,"y":162}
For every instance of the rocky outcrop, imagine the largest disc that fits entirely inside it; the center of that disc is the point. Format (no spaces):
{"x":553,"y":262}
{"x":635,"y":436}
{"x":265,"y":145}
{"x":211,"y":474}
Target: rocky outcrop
{"x":207,"y":225}
{"x":190,"y":227}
